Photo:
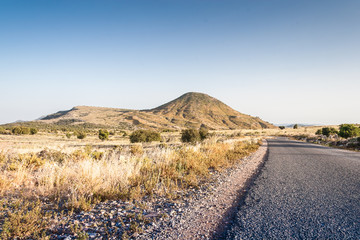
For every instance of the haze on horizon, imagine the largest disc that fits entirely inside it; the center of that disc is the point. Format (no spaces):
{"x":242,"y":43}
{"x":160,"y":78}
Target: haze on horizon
{"x":284,"y":61}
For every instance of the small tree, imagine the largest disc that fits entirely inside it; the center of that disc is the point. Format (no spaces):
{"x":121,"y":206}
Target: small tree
{"x":295,"y":126}
{"x":282,"y":127}
{"x":103,"y":134}
{"x":349,"y":130}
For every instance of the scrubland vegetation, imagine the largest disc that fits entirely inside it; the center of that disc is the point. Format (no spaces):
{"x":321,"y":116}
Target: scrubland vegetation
{"x":49,"y":174}
{"x":344,"y":136}
{"x":66,"y":180}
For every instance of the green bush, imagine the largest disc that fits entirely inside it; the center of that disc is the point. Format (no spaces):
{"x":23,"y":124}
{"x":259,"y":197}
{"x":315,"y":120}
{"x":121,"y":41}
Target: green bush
{"x":329,"y":131}
{"x":25,"y":130}
{"x":282,"y":127}
{"x":16,"y":130}
{"x":33,"y":131}
{"x":81,"y":135}
{"x":349,"y":130}
{"x":144,"y":136}
{"x":68,"y":135}
{"x":103,"y":134}
{"x":190,"y":136}
{"x":193,"y":136}
{"x":296,"y":126}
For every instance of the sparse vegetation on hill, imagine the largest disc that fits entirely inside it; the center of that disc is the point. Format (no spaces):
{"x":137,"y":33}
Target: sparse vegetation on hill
{"x":191,"y":110}
{"x":55,"y":127}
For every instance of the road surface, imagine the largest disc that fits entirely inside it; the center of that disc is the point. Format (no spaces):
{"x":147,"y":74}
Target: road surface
{"x":304,"y":191}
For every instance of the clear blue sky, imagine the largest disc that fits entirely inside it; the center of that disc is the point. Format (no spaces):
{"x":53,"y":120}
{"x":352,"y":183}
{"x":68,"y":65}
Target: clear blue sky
{"x":284,"y":61}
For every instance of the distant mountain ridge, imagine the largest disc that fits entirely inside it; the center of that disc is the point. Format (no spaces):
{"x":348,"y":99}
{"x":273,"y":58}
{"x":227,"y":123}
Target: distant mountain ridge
{"x":190,"y":110}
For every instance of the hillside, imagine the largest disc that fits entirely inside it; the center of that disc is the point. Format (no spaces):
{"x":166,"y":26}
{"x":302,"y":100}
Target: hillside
{"x":189,"y":110}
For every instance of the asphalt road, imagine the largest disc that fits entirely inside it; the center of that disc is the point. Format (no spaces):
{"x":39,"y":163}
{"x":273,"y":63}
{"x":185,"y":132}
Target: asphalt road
{"x":304,"y":191}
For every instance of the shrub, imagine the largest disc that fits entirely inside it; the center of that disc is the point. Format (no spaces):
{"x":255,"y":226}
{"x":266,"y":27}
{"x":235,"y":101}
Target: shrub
{"x":68,"y":135}
{"x":190,"y":135}
{"x":295,"y":126}
{"x":144,"y":136}
{"x":81,"y":135}
{"x":33,"y":131}
{"x":193,"y":135}
{"x":349,"y":130}
{"x":21,"y":130}
{"x":2,"y":130}
{"x":25,"y":220}
{"x":16,"y":130}
{"x":103,"y":134}
{"x":282,"y":127}
{"x":25,"y":130}
{"x":53,"y":155}
{"x":328,"y":131}
{"x":203,"y":132}
{"x":319,"y":132}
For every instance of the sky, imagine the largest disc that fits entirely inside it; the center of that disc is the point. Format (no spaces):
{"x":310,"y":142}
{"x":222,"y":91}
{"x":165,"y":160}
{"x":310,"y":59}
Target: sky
{"x":286,"y":61}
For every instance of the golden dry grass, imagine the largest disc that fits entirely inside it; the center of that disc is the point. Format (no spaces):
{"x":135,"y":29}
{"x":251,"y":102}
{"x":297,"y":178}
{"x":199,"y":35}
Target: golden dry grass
{"x":76,"y":174}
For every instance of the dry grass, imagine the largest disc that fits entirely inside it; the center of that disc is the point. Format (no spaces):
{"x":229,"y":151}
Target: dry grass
{"x":86,"y":176}
{"x":75,"y":175}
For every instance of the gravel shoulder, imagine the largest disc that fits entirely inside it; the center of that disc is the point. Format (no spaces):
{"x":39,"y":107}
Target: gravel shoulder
{"x":207,"y":214}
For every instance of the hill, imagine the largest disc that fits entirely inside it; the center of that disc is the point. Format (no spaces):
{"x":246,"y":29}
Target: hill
{"x":189,"y":110}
